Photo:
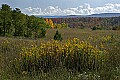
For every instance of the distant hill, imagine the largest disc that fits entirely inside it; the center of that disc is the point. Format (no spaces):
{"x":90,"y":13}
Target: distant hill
{"x":59,"y":16}
{"x":77,"y":16}
{"x":105,"y":15}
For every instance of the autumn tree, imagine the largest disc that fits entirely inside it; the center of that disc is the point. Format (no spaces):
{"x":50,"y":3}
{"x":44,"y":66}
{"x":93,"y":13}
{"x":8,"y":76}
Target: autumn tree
{"x":50,"y":22}
{"x":47,"y":21}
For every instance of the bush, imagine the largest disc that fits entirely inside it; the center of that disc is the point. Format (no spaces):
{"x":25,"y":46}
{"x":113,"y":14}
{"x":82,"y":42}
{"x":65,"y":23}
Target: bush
{"x":94,"y":28}
{"x":116,"y":28}
{"x":43,"y":33}
{"x":57,"y":36}
{"x":98,"y":28}
{"x":40,"y":33}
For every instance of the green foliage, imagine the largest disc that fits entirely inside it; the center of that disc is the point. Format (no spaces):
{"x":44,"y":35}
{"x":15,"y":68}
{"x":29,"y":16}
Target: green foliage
{"x":57,"y":36}
{"x":62,"y":25}
{"x":43,"y":32}
{"x":98,"y":28}
{"x":15,"y":23}
{"x":5,"y":16}
{"x":40,"y":33}
{"x":94,"y":28}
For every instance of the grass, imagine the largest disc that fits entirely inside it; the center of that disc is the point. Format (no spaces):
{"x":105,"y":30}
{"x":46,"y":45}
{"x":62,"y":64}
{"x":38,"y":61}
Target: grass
{"x":108,"y":40}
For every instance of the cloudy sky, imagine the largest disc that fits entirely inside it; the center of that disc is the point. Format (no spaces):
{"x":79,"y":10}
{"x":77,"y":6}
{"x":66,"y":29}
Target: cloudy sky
{"x":64,"y":7}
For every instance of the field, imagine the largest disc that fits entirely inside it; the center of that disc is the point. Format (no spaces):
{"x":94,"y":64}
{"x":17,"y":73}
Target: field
{"x":98,"y":57}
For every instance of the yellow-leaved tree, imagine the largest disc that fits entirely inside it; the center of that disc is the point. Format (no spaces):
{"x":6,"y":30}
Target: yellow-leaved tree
{"x":50,"y":22}
{"x":47,"y":21}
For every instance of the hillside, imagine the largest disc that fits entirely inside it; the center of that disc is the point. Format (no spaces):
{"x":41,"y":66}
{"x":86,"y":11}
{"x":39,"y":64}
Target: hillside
{"x":90,"y":22}
{"x":103,"y":15}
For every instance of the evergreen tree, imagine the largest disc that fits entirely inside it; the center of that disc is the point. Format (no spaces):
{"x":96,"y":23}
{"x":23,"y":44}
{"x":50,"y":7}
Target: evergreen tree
{"x":5,"y":15}
{"x":15,"y":23}
{"x":57,"y":36}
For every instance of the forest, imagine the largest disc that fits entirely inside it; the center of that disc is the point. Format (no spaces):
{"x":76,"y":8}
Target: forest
{"x":101,"y":23}
{"x":14,"y":23}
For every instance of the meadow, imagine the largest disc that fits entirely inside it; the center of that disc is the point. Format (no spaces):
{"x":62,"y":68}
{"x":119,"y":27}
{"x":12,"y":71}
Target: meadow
{"x":83,"y":54}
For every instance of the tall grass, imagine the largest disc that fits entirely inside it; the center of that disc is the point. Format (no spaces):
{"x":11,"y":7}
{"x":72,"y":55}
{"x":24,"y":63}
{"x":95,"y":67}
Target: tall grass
{"x":14,"y":65}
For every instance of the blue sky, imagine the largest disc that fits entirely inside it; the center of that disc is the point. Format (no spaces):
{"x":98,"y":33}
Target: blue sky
{"x":64,"y":7}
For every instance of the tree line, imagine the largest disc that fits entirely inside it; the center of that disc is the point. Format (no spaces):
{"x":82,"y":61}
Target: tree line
{"x":14,"y":23}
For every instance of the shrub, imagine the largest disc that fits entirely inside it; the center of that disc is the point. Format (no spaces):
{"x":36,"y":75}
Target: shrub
{"x":40,"y":33}
{"x":116,"y":28}
{"x":98,"y":28}
{"x":57,"y":36}
{"x":94,"y":28}
{"x":43,"y":33}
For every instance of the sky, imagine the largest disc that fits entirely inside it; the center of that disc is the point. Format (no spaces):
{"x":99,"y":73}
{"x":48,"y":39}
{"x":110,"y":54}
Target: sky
{"x":64,"y":7}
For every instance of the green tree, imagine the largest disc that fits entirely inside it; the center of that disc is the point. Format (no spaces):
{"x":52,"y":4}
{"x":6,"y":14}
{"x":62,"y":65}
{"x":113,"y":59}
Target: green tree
{"x":6,"y":20}
{"x":57,"y":36}
{"x":18,"y":22}
{"x":43,"y":33}
{"x":28,"y":27}
{"x":15,"y":23}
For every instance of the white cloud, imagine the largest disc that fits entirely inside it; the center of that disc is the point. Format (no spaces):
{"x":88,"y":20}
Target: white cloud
{"x":50,"y":10}
{"x":69,"y":12}
{"x":32,"y":11}
{"x":84,"y":9}
{"x":108,"y":8}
